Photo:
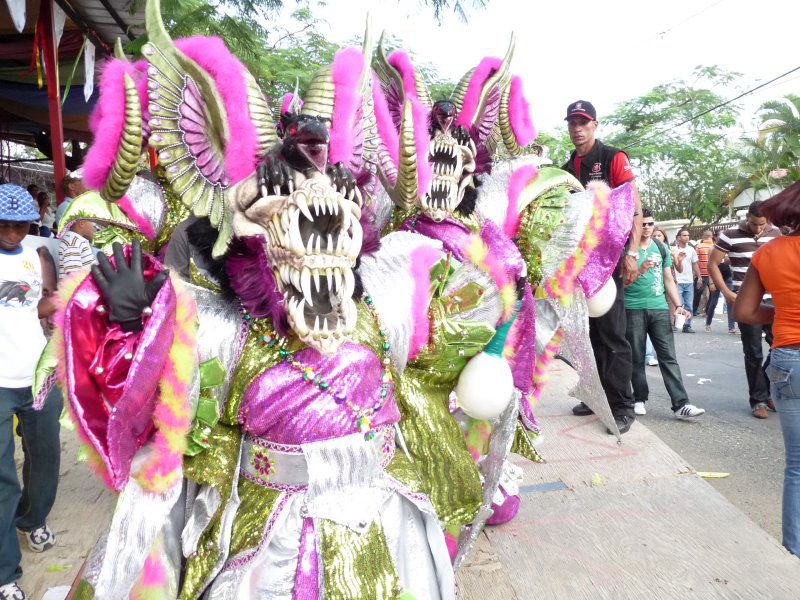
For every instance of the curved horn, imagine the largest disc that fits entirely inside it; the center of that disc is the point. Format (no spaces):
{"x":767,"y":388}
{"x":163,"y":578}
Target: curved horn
{"x":261,"y":115}
{"x":118,"y":51}
{"x":320,"y":95}
{"x":504,"y":121}
{"x":130,"y":145}
{"x":294,"y":104}
{"x":496,"y":79}
{"x":387,"y":72}
{"x":457,"y":97}
{"x":406,"y":189}
{"x":365,"y":83}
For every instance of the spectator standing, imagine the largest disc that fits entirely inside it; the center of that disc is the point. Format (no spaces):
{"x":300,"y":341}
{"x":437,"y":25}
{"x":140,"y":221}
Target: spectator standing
{"x":21,"y":343}
{"x":72,"y":187}
{"x":739,"y":243}
{"x":703,"y":249}
{"x":714,"y":294}
{"x":775,"y":269}
{"x":594,"y":161}
{"x":647,"y":313}
{"x":74,"y":249}
{"x":39,"y":228}
{"x":686,"y":272}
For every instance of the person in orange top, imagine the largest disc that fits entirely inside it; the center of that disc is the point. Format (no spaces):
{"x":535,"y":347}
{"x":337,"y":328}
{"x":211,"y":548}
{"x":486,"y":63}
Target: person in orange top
{"x":775,"y":268}
{"x":703,"y":250}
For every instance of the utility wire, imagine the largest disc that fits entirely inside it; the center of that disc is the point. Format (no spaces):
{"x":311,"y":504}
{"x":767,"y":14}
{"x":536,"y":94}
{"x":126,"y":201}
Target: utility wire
{"x":713,"y":108}
{"x":661,"y":34}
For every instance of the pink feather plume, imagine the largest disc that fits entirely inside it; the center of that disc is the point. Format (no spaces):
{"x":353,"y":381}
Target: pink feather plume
{"x":519,"y":179}
{"x":422,"y":259}
{"x":347,"y":66}
{"x":386,"y":129}
{"x":519,"y":113}
{"x":482,"y":72}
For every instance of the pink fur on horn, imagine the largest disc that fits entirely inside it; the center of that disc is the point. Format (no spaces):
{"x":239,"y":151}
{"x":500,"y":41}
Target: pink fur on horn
{"x":422,"y":259}
{"x":386,"y":129}
{"x":287,"y":101}
{"x":347,"y":66}
{"x":107,"y":122}
{"x":519,"y":113}
{"x":470,"y":104}
{"x":422,"y":142}
{"x":400,"y":61}
{"x":227,"y":72}
{"x":144,"y":226}
{"x":519,"y":179}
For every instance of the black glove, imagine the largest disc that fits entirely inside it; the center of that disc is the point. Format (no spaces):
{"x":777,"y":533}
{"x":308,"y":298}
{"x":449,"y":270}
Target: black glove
{"x":125,"y":290}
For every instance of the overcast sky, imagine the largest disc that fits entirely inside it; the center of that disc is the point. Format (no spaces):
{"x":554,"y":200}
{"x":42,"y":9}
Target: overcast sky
{"x":604,"y":51}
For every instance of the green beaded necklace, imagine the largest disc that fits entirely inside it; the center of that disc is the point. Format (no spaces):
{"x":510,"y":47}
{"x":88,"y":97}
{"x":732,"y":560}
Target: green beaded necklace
{"x":362,"y":416}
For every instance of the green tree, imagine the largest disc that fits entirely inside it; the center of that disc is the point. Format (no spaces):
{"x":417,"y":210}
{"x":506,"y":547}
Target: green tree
{"x":683,"y":161}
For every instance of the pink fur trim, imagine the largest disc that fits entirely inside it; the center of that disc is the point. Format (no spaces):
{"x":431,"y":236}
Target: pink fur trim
{"x":347,"y":66}
{"x":287,"y":100}
{"x":144,"y":226}
{"x":107,"y":122}
{"x":470,"y":104}
{"x":519,"y":114}
{"x":153,"y":574}
{"x":400,"y":61}
{"x":386,"y":128}
{"x":227,"y":72}
{"x":422,"y":259}
{"x":519,"y":180}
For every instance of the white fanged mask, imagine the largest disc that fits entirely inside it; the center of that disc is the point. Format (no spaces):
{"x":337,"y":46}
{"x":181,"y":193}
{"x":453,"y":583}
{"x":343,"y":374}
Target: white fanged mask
{"x":313,"y":238}
{"x":452,"y":165}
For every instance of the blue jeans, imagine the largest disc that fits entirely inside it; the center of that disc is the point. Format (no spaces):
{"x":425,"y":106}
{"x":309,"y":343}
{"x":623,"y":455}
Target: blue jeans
{"x":711,"y":306}
{"x":686,"y":293}
{"x":649,"y":352}
{"x":657,"y":324}
{"x":784,"y":374}
{"x":28,"y":508}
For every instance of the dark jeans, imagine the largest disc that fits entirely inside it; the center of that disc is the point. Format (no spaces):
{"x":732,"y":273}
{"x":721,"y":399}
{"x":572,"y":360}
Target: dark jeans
{"x":698,"y":292}
{"x":612,"y":353}
{"x":711,"y":306}
{"x":658,"y":324}
{"x":754,"y":364}
{"x":28,"y":508}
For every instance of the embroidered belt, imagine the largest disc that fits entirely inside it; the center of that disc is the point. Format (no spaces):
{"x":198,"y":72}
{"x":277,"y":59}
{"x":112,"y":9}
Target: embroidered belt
{"x":286,"y":467}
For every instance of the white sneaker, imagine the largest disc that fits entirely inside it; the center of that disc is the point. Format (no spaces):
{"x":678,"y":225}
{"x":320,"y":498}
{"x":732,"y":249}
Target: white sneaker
{"x":639,"y":409}
{"x":11,"y":591}
{"x":40,"y":539}
{"x":652,"y":362}
{"x":689,"y":410}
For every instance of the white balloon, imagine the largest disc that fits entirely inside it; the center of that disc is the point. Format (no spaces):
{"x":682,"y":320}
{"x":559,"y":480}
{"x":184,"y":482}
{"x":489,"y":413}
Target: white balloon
{"x":603,"y":300}
{"x":485,"y":386}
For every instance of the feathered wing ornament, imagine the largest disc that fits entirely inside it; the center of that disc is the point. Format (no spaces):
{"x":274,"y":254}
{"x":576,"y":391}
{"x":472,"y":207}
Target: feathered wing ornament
{"x":209,"y":120}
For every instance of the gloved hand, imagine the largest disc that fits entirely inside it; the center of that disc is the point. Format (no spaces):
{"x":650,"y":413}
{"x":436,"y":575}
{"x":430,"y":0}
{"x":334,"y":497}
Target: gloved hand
{"x":125,"y":290}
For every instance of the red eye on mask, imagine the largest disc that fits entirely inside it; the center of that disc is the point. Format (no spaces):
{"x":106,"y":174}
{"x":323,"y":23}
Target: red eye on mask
{"x":292,"y":129}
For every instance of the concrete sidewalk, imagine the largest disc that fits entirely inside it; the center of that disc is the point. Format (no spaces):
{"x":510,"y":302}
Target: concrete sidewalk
{"x":602,"y":520}
{"x":599,"y":520}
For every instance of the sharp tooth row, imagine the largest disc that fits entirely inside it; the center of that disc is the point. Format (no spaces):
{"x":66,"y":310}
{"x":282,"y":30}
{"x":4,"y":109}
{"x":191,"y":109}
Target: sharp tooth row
{"x":444,"y":147}
{"x":444,"y":169}
{"x":324,"y":206}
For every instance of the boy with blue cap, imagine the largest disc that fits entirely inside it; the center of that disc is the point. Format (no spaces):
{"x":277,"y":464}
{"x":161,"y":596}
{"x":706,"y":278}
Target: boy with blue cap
{"x":21,"y":343}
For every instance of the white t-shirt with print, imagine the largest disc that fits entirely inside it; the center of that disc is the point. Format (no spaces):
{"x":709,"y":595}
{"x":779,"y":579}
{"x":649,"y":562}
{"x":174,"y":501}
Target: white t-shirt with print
{"x":21,"y":336}
{"x":686,"y":276}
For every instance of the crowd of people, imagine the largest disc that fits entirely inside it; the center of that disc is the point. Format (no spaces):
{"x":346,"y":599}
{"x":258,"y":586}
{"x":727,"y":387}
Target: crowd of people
{"x":659,"y":287}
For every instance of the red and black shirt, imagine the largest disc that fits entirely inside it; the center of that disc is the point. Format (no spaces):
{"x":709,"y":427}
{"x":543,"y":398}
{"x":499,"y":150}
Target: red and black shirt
{"x":602,"y":163}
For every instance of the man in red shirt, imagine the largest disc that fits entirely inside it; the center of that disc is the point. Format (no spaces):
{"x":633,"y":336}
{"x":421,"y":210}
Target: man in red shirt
{"x":594,"y":161}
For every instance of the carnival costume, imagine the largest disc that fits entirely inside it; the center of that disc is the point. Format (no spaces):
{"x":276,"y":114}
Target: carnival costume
{"x":464,"y":171}
{"x":252,"y":435}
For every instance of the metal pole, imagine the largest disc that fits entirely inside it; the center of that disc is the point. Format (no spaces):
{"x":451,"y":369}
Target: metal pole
{"x":53,"y":101}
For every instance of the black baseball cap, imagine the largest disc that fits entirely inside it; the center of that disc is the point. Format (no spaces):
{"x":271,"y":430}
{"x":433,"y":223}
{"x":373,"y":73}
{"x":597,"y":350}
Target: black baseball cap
{"x":581,"y":108}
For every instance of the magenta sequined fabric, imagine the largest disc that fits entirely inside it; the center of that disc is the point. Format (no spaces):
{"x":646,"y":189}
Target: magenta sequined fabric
{"x":604,"y":258}
{"x":306,"y":579}
{"x":113,"y":397}
{"x":281,"y":407}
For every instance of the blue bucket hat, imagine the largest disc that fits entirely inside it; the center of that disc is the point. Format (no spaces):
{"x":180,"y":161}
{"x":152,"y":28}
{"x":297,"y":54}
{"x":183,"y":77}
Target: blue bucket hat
{"x":16,"y":204}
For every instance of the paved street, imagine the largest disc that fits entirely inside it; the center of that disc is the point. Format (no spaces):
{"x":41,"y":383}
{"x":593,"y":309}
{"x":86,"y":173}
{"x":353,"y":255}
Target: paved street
{"x":727,"y":438}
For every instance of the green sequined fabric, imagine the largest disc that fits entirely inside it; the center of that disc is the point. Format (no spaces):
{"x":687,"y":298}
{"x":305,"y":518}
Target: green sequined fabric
{"x":356,"y":566}
{"x":256,"y":504}
{"x":176,"y":210}
{"x":523,"y":444}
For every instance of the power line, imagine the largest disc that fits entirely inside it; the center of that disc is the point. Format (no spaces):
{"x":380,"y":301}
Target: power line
{"x":689,"y":18}
{"x":713,"y":108}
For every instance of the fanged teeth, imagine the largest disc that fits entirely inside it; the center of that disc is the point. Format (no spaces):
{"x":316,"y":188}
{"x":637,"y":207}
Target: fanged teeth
{"x":337,"y":277}
{"x":303,"y":206}
{"x":315,"y":273}
{"x":305,"y":285}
